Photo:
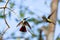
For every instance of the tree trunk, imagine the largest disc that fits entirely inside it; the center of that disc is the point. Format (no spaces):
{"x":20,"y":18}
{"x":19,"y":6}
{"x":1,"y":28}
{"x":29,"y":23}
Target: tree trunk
{"x":40,"y":35}
{"x":1,"y":36}
{"x":51,"y":29}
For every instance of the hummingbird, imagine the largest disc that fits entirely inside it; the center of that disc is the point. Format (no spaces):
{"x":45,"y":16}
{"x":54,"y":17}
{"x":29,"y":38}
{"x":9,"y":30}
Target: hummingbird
{"x":48,"y":18}
{"x":24,"y":23}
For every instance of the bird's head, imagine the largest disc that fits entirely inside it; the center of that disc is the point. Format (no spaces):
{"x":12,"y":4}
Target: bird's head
{"x":25,"y":19}
{"x":44,"y":17}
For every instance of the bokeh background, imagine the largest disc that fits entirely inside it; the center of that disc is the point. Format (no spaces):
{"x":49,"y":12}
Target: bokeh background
{"x":34,"y":9}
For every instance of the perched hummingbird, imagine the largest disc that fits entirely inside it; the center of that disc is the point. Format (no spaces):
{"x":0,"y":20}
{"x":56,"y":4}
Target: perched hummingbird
{"x":24,"y":23}
{"x":48,"y":19}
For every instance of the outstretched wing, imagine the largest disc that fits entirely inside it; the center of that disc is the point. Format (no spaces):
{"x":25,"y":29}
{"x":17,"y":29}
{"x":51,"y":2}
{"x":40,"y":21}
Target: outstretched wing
{"x":19,"y":23}
{"x":51,"y":14}
{"x":28,"y":24}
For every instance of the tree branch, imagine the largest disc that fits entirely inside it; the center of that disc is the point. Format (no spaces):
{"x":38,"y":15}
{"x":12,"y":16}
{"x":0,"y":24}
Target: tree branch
{"x":51,"y":28}
{"x":5,"y":18}
{"x":6,"y":3}
{"x":13,"y":12}
{"x":44,"y":30}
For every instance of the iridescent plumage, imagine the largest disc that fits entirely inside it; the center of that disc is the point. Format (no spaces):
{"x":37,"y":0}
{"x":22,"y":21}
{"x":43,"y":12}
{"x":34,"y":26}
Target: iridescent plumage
{"x":48,"y":19}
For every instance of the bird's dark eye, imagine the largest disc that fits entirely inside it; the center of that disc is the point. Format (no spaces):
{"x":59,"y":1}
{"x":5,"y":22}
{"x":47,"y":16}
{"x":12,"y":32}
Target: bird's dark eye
{"x":24,"y":18}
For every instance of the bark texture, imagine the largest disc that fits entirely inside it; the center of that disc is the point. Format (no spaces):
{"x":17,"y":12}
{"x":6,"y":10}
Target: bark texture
{"x":51,"y":29}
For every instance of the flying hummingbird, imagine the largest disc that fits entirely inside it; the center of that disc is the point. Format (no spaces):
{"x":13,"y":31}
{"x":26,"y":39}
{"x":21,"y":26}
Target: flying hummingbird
{"x":48,"y":18}
{"x":24,"y":23}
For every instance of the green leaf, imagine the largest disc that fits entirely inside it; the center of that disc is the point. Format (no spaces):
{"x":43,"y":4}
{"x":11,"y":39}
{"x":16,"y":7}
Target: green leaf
{"x":12,"y":5}
{"x":34,"y":35}
{"x":57,"y":38}
{"x":16,"y":20}
{"x":21,"y":14}
{"x":31,"y":12}
{"x":9,"y":14}
{"x":2,"y":16}
{"x":26,"y":8}
{"x":1,"y":0}
{"x":34,"y":20}
{"x":12,"y":34}
{"x":59,"y":21}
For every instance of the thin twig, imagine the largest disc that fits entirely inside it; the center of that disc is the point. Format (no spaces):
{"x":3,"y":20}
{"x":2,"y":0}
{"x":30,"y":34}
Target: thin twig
{"x":5,"y":31}
{"x":44,"y":30}
{"x":5,"y":15}
{"x":1,"y":7}
{"x":13,"y":12}
{"x":9,"y":8}
{"x":7,"y":23}
{"x":5,"y":20}
{"x":6,"y":3}
{"x":33,"y":35}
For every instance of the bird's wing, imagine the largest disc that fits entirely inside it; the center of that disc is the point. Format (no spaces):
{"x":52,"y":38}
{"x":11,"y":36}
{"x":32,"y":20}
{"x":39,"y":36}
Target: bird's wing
{"x":51,"y":14}
{"x":28,"y":24}
{"x":19,"y":23}
{"x":49,"y":20}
